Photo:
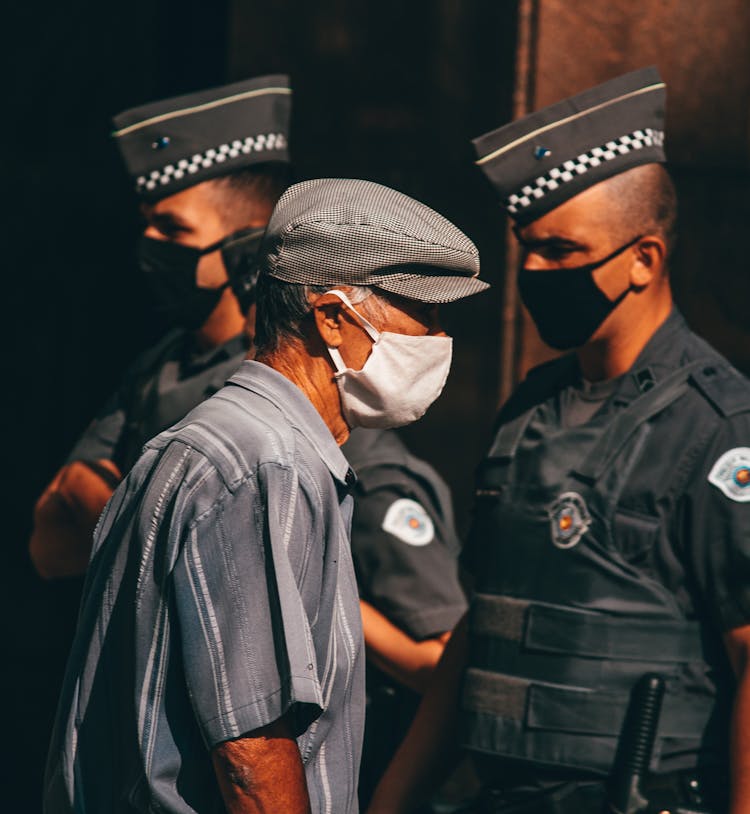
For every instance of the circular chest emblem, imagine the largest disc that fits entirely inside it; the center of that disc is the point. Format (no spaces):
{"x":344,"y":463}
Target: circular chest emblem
{"x":569,"y":519}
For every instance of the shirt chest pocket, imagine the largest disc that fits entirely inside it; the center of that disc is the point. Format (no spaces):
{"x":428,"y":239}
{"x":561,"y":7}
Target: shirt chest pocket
{"x":635,"y":535}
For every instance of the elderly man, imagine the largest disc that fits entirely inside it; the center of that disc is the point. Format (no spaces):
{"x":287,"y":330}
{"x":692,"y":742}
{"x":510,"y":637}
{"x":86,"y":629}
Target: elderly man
{"x":218,"y":659}
{"x":611,"y":533}
{"x":208,"y":169}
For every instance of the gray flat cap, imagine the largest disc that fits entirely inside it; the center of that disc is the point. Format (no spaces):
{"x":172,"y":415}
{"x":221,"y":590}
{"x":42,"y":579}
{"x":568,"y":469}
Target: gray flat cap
{"x":334,"y":231}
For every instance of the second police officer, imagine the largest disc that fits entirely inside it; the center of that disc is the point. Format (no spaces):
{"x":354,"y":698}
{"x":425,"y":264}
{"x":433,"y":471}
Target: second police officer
{"x":611,"y":536}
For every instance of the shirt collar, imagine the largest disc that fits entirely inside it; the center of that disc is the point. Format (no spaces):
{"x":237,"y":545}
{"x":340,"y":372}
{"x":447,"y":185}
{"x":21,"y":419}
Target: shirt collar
{"x":196,"y":359}
{"x":662,"y":354}
{"x":298,"y":410}
{"x":662,"y":349}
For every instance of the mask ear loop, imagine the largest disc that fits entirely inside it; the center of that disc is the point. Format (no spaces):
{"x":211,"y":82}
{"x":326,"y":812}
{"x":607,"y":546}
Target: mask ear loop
{"x":372,"y":331}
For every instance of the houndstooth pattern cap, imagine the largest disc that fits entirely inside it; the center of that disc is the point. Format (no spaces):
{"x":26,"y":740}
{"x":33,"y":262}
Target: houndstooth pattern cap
{"x":542,"y":160}
{"x":333,"y":231}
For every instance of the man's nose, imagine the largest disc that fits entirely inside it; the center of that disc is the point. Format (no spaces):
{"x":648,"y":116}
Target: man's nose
{"x":535,"y":262}
{"x":152,"y":232}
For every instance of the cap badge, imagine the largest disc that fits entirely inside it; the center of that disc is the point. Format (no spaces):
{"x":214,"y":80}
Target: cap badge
{"x":731,"y":474}
{"x":541,"y":152}
{"x":569,"y":519}
{"x":160,"y":143}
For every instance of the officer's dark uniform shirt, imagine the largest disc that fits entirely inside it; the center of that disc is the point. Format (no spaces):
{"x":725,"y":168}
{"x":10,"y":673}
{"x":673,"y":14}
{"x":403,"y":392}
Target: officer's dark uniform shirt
{"x":680,"y":524}
{"x":160,"y":388}
{"x":405,"y":548}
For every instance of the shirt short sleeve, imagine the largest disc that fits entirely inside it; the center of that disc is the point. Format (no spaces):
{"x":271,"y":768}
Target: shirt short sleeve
{"x":404,"y":566}
{"x":716,"y":524}
{"x":102,"y":435}
{"x":246,"y":643}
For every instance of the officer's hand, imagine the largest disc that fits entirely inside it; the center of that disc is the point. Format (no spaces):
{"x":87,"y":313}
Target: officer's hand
{"x":65,"y":517}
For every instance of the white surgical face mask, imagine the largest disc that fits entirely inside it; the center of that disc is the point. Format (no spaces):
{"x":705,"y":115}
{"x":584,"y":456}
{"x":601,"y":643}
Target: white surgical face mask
{"x":401,"y":378}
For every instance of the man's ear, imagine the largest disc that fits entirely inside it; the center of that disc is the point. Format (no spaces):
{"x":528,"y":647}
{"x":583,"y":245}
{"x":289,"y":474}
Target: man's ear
{"x":651,"y":255}
{"x":328,"y":310}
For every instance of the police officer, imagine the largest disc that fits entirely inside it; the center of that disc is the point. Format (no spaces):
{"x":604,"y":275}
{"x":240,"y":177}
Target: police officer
{"x":208,"y":169}
{"x":405,"y":549}
{"x":612,"y":526}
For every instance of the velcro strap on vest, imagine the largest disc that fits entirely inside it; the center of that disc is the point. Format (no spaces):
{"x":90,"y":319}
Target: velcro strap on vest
{"x":573,"y":710}
{"x":573,"y":632}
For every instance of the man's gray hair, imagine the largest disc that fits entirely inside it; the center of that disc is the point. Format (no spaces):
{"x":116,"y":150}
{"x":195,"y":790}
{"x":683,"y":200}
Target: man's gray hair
{"x":283,"y":308}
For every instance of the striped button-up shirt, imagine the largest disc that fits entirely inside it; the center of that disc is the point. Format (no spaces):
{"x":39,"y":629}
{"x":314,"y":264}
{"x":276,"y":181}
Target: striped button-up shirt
{"x":220,"y":595}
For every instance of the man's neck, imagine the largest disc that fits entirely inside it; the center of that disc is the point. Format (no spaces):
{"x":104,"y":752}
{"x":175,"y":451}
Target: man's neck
{"x":312,"y":373}
{"x":615,"y":352}
{"x":225,"y":321}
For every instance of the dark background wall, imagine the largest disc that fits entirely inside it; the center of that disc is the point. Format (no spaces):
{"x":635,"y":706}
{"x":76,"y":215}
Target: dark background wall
{"x":73,"y":315}
{"x":388,"y":91}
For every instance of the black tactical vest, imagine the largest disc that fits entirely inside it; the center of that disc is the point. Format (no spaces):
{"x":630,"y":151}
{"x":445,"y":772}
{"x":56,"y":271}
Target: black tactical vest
{"x":561,"y":625}
{"x":158,"y":396}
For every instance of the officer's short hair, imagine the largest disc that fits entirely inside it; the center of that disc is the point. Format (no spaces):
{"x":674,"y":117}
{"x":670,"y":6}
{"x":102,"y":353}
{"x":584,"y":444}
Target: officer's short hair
{"x":284,"y":308}
{"x":260,"y":183}
{"x":266,"y":181}
{"x":645,"y":201}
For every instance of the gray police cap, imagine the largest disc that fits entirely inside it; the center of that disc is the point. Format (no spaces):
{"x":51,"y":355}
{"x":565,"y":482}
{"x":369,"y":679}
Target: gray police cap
{"x":333,"y":231}
{"x":176,"y":143}
{"x":542,"y":160}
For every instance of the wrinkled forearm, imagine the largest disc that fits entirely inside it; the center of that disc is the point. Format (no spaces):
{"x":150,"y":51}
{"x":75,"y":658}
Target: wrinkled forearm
{"x":262,"y":773}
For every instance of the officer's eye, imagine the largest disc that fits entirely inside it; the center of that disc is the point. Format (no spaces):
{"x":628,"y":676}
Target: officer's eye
{"x":556,"y":252}
{"x":169,"y":227}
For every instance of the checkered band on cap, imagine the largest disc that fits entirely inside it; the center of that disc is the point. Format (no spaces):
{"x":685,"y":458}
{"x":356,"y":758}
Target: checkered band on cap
{"x":172,"y":144}
{"x":542,"y":160}
{"x":332,"y":232}
{"x":568,"y":170}
{"x":211,"y":157}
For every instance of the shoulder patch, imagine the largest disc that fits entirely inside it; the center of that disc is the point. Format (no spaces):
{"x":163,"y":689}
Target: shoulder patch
{"x":731,"y":474}
{"x":407,"y":520}
{"x":724,"y":387}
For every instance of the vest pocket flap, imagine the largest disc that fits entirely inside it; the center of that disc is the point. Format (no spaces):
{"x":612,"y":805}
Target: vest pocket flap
{"x":635,"y":535}
{"x":577,"y":711}
{"x":573,"y":632}
{"x":541,"y":706}
{"x":594,"y":712}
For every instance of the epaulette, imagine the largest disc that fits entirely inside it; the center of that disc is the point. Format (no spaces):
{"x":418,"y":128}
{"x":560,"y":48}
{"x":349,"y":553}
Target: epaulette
{"x":724,"y":387}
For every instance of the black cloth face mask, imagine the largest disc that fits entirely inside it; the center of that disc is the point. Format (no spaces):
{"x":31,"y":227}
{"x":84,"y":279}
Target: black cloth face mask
{"x":566,"y":304}
{"x":170,"y":270}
